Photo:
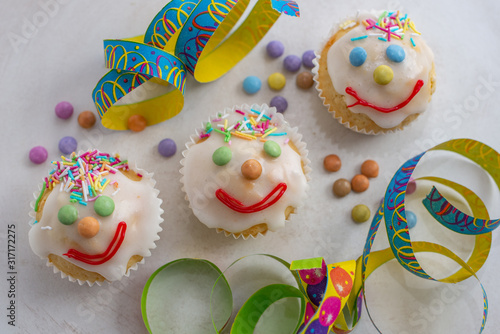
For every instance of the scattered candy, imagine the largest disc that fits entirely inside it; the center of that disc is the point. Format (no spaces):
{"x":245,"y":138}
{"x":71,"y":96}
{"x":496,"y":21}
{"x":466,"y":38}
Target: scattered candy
{"x":104,"y":206}
{"x":332,"y":163}
{"x":395,"y":53}
{"x":360,"y":183}
{"x":411,"y":187}
{"x":280,"y":103}
{"x":411,"y":219}
{"x":307,"y":58}
{"x":304,"y":80}
{"x":67,"y":214}
{"x":38,"y":154}
{"x":88,"y":227}
{"x":64,"y":110}
{"x":86,"y":119}
{"x":275,"y":49}
{"x":136,"y":123}
{"x":369,"y":168}
{"x":67,"y":145}
{"x":341,"y":187}
{"x":251,"y":84}
{"x":272,"y":148}
{"x":222,"y":156}
{"x":251,"y":169}
{"x":167,"y":147}
{"x":383,"y":74}
{"x":357,"y":56}
{"x":292,"y":63}
{"x":360,"y":213}
{"x":276,"y":81}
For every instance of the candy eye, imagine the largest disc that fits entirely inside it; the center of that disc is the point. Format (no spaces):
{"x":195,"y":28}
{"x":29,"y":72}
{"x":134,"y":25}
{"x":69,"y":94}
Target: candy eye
{"x":395,"y":53}
{"x":272,"y":148}
{"x":67,"y":215}
{"x":104,"y":206}
{"x":222,"y":156}
{"x":357,"y":56}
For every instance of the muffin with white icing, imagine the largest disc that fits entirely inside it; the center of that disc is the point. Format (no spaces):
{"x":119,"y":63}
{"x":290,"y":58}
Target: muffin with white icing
{"x":95,"y":218}
{"x":375,"y":73}
{"x":245,"y":171}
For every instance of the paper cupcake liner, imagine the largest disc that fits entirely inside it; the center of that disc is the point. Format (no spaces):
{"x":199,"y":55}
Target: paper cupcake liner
{"x":322,"y":95}
{"x":152,"y":182}
{"x":292,"y":134}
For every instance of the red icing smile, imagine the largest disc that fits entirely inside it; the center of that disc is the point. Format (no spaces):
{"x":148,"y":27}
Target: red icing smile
{"x":360,"y":101}
{"x":97,"y":259}
{"x":266,"y":202}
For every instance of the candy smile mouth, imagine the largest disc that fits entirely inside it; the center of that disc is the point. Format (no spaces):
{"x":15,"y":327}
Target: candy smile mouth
{"x":360,"y":101}
{"x":97,"y":259}
{"x":266,"y":202}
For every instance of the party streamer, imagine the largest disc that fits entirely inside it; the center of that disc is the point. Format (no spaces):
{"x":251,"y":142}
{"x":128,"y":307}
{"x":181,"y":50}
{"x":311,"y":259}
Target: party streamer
{"x":185,"y":36}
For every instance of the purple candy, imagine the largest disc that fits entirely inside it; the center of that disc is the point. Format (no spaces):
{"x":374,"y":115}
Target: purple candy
{"x":307,"y":58}
{"x":38,"y":154}
{"x":411,"y":187}
{"x":279,"y":103}
{"x":167,"y":147}
{"x":292,"y":63}
{"x":275,"y":49}
{"x":67,"y":145}
{"x":64,"y":110}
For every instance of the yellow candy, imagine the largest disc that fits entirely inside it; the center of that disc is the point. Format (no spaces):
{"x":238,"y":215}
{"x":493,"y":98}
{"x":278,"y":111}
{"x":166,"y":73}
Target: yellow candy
{"x":383,"y":75}
{"x":276,"y":81}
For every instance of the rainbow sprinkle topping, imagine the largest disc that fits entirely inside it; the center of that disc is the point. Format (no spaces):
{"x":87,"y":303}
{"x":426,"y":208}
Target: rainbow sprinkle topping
{"x":388,"y":25}
{"x":84,"y":176}
{"x":251,"y":125}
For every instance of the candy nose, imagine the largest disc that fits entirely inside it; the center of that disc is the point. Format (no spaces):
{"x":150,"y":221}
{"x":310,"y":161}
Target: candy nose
{"x":88,"y":227}
{"x":251,"y":169}
{"x":383,"y":74}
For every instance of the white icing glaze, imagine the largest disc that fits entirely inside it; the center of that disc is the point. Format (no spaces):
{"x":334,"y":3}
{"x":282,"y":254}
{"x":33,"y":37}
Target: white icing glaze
{"x":136,"y":204}
{"x":416,"y":65}
{"x":202,"y":177}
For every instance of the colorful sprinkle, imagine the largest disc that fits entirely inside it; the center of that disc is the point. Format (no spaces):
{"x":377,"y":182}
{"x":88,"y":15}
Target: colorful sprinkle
{"x":358,"y":38}
{"x":82,"y":176}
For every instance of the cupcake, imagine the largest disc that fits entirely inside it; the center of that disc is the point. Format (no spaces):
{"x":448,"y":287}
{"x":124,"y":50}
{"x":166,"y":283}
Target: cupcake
{"x":375,"y":73}
{"x":95,"y":218}
{"x":245,"y":171}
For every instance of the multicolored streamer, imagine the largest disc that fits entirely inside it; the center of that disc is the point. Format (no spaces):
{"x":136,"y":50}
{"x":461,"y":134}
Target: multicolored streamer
{"x":332,"y":295}
{"x":185,"y":36}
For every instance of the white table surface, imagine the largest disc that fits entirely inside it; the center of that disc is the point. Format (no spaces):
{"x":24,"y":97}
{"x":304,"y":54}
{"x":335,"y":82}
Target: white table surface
{"x":61,"y":59}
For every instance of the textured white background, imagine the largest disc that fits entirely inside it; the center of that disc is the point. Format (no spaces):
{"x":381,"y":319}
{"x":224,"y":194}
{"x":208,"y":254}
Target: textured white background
{"x":61,"y":59}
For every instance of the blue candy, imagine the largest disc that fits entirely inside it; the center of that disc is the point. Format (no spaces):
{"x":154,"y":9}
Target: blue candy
{"x":251,"y":84}
{"x":357,"y":56}
{"x":395,"y":53}
{"x":67,"y":145}
{"x":411,"y":219}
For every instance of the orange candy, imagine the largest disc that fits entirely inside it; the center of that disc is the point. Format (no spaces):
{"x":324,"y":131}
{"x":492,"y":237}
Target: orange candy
{"x":88,"y":227}
{"x":332,"y":163}
{"x":136,"y":123}
{"x":251,"y":169}
{"x":86,"y":119}
{"x":369,"y":168}
{"x":360,"y":183}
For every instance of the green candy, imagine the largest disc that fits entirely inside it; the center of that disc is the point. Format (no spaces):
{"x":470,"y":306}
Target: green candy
{"x":272,"y":148}
{"x":104,"y":206}
{"x":360,"y":213}
{"x":222,"y":156}
{"x":67,"y":215}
